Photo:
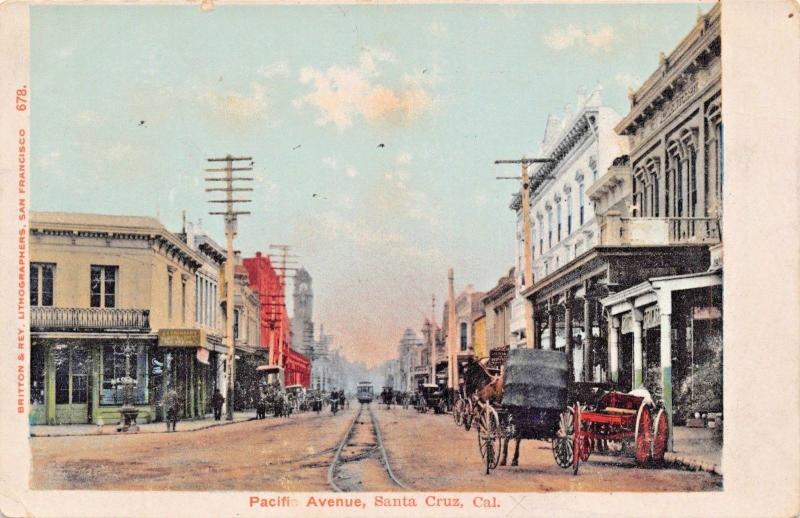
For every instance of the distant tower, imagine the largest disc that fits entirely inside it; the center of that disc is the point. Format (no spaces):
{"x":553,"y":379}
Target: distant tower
{"x":302,"y":321}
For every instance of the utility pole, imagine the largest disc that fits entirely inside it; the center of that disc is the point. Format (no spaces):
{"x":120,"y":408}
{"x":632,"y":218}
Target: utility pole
{"x":231,"y":214}
{"x":282,"y":279}
{"x":452,"y":369}
{"x":527,"y":271}
{"x":433,"y":338}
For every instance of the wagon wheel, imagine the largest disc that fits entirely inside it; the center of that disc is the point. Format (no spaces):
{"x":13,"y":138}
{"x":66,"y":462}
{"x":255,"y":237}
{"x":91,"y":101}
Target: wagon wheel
{"x":562,"y":443}
{"x":660,"y":436}
{"x":489,"y":438}
{"x":458,"y":411}
{"x":468,"y":414}
{"x":643,"y":434}
{"x":577,"y":438}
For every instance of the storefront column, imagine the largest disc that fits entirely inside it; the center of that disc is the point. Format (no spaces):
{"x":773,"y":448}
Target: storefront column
{"x":613,"y":349}
{"x":588,"y":342}
{"x":568,"y":335}
{"x":665,"y":310}
{"x":637,"y":348}
{"x":551,"y":326}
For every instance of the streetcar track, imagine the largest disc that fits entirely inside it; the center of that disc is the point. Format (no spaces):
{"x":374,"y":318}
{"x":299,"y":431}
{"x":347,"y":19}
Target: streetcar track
{"x":365,"y":452}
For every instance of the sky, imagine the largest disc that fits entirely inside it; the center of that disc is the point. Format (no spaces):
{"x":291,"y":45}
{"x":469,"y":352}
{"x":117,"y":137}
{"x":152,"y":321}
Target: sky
{"x":373,"y":129}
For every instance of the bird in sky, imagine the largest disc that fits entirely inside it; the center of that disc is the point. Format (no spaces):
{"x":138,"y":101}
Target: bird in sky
{"x":297,"y":146}
{"x":141,"y":123}
{"x":381,"y":145}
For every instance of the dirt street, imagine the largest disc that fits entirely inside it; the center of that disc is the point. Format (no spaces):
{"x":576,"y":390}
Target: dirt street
{"x":275,"y":454}
{"x":429,"y":453}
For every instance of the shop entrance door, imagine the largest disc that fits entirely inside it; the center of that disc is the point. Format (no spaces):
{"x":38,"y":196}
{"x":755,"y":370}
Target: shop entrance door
{"x":71,"y":383}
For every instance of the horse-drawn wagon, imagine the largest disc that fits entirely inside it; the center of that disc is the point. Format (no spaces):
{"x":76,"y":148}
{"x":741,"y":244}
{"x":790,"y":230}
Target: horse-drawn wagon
{"x":430,"y":396}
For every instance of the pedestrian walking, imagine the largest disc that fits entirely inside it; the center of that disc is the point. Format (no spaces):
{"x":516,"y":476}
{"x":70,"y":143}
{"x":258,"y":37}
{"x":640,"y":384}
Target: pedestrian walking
{"x":216,"y":402}
{"x":172,"y":406}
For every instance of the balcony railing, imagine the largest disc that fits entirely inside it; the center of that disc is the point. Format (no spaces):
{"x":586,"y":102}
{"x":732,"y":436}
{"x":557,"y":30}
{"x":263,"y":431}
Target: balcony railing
{"x":616,"y":231}
{"x":89,"y":319}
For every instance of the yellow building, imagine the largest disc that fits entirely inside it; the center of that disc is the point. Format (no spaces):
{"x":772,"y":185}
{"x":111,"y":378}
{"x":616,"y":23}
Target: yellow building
{"x":479,"y":346}
{"x":113,"y":299}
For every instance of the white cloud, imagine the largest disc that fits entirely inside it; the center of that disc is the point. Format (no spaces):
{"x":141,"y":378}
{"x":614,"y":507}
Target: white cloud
{"x":277,"y":69}
{"x":342,"y":94}
{"x":351,"y":172}
{"x":561,"y":38}
{"x":329,"y":162}
{"x":404,"y":158}
{"x":628,"y":80}
{"x":238,"y":107}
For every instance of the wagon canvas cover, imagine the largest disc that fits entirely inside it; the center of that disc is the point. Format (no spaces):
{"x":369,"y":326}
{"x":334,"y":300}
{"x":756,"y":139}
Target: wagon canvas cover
{"x":535,"y":378}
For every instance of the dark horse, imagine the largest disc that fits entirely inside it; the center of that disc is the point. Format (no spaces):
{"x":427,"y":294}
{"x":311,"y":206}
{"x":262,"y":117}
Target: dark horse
{"x":492,"y":392}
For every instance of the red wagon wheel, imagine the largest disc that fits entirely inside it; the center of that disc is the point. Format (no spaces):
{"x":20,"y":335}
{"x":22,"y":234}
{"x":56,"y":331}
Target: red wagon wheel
{"x":643,"y":434}
{"x":660,"y":436}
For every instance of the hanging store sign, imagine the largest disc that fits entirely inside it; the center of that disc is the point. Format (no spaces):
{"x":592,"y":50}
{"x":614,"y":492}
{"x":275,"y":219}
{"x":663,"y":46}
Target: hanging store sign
{"x":181,"y":338}
{"x":706,"y":313}
{"x":652,"y":317}
{"x":626,"y":325}
{"x":202,"y":355}
{"x":497,"y":357}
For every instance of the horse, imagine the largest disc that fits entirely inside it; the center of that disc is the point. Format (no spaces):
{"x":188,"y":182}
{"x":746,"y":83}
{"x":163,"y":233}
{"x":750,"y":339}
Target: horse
{"x":492,"y":392}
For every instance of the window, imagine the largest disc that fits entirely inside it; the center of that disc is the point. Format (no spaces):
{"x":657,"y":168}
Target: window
{"x":183,"y":300}
{"x":546,"y":267}
{"x":678,"y":212}
{"x":41,"y":282}
{"x":569,"y":213}
{"x":550,"y":228}
{"x":103,"y":286}
{"x":558,"y":220}
{"x":169,"y":295}
{"x":541,"y":237}
{"x":580,"y":204}
{"x":463,"y":336}
{"x":124,"y":361}
{"x":235,"y":323}
{"x":37,"y":374}
{"x":72,"y":369}
{"x":654,"y":202}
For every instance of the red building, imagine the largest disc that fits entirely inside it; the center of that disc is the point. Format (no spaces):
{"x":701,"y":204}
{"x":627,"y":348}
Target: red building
{"x":276,"y":334}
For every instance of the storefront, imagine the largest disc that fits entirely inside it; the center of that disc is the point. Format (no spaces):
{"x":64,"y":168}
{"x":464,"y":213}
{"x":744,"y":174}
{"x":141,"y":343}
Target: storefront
{"x":190,"y":365}
{"x":665,"y":334}
{"x":80,"y":380}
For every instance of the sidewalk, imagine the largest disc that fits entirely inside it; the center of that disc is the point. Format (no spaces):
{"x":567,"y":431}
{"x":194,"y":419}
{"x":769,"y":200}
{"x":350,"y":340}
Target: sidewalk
{"x":697,"y":449}
{"x":111,"y":428}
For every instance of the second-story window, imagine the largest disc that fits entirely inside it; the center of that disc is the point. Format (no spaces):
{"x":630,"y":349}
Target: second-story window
{"x":580,"y":204}
{"x":103,"y":281}
{"x":169,"y":295}
{"x":550,"y":228}
{"x":541,"y":237}
{"x":569,"y":213}
{"x":41,"y":277}
{"x":463,"y":336}
{"x":183,"y":300}
{"x":558,"y":220}
{"x":235,"y":324}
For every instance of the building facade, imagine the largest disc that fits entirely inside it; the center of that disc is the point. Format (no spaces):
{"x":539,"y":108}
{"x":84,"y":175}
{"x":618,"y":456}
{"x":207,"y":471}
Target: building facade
{"x":665,"y":332}
{"x":303,"y":317}
{"x":113,"y":305}
{"x":497,"y":307}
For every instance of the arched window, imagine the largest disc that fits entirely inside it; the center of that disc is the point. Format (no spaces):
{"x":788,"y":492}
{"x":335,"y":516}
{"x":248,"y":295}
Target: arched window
{"x":569,"y":213}
{"x":580,"y":204}
{"x":550,"y":227}
{"x":558,"y":220}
